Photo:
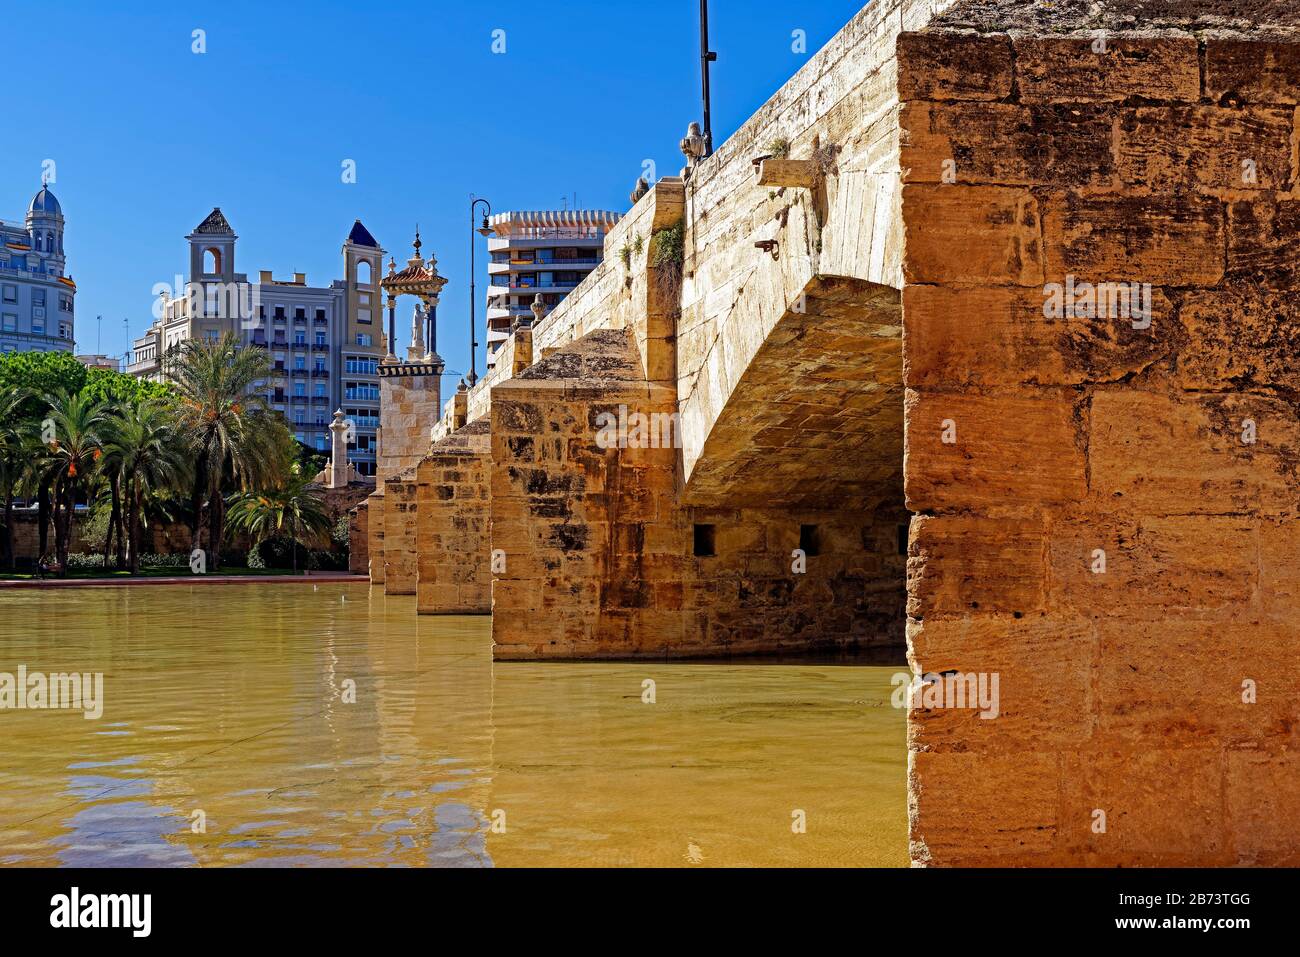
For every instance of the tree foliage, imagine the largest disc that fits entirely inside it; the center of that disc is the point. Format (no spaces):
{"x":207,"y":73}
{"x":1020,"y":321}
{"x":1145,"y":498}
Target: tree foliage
{"x":71,"y":435}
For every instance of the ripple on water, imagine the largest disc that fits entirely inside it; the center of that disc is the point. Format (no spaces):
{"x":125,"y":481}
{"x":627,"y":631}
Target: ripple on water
{"x":225,"y":741}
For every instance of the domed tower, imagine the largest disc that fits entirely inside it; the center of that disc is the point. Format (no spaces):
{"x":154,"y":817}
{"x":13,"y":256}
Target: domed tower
{"x":45,"y":226}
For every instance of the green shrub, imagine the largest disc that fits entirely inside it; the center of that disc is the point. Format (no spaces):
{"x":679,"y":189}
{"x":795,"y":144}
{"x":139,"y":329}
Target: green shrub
{"x":175,"y":560}
{"x":329,"y":561}
{"x":279,"y":553}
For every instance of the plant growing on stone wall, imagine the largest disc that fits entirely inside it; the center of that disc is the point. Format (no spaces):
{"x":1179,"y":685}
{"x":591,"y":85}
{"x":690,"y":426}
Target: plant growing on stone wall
{"x":667,"y":254}
{"x":824,"y":157}
{"x":668,"y":245}
{"x":779,"y":148}
{"x":625,"y":254}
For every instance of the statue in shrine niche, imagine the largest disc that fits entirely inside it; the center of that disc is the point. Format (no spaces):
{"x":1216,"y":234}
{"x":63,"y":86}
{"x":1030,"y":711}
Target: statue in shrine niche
{"x":416,"y":351}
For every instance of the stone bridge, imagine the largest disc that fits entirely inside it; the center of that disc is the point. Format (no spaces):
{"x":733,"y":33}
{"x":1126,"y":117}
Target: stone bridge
{"x":977,"y":336}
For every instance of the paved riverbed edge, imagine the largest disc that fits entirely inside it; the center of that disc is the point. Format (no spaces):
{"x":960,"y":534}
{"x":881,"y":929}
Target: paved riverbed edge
{"x":316,"y":579}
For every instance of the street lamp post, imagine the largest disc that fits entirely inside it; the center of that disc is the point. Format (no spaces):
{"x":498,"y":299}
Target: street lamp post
{"x":484,"y":230}
{"x":707,"y":56}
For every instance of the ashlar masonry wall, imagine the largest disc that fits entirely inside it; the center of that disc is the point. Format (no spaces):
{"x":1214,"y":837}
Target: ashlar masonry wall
{"x":602,"y":559}
{"x":1106,"y":499}
{"x":452,"y":520}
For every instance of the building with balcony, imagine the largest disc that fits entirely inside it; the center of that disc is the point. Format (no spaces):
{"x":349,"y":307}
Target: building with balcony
{"x":540,"y":252}
{"x":36,"y":297}
{"x":97,"y":361}
{"x":323,"y":342}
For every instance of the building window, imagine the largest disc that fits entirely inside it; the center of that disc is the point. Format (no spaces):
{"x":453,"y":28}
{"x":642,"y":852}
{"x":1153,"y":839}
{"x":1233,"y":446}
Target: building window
{"x":300,"y":389}
{"x":363,"y":338}
{"x":363,"y":315}
{"x":298,"y":416}
{"x":300,"y":362}
{"x":38,"y":327}
{"x":320,"y":443}
{"x":10,"y":321}
{"x":320,"y":390}
{"x":320,"y":338}
{"x":704,"y":541}
{"x":38,"y":297}
{"x":65,"y":330}
{"x":10,"y":293}
{"x":809,"y":540}
{"x":300,"y":313}
{"x":362,"y":391}
{"x":299,"y":337}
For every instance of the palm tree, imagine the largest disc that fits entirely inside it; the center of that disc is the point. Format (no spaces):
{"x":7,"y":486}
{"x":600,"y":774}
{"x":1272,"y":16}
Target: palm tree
{"x":152,"y":455}
{"x":72,"y":433}
{"x":110,"y":494}
{"x":297,"y":504}
{"x":15,"y":462}
{"x":234,"y":436}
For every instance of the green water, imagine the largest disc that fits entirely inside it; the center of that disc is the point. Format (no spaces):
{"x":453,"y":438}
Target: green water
{"x":228,"y":737}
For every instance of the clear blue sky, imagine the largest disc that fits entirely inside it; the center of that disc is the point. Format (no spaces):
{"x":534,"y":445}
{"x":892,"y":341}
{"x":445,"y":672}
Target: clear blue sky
{"x":149,"y":136}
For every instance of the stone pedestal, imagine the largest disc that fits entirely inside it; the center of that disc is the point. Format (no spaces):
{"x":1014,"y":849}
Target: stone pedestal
{"x":409,"y":405}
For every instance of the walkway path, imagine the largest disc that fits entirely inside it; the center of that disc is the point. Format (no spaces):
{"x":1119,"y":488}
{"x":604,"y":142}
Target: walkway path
{"x":312,"y":579}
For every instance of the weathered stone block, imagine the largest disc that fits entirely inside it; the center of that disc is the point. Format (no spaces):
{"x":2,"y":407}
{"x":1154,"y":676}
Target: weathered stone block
{"x":1078,"y":69}
{"x":972,"y":234}
{"x":1202,"y":565}
{"x":1251,"y":69}
{"x":937,"y":65}
{"x":1263,"y":805}
{"x":1279,"y":570}
{"x":1003,"y":451}
{"x":1205,"y":148}
{"x":1240,"y":337}
{"x":1223,"y":454}
{"x":961,"y":565}
{"x":1044,"y":682}
{"x":1172,"y":242}
{"x":1264,"y":243}
{"x":1183,"y":682}
{"x":977,"y":808}
{"x":977,"y":337}
{"x":1007,"y":144}
{"x":1163,"y":807}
